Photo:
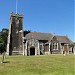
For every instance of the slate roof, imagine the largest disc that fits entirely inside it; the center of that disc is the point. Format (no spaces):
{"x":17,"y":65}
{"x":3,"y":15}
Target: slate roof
{"x":39,"y":36}
{"x":47,"y":36}
{"x":63,"y":39}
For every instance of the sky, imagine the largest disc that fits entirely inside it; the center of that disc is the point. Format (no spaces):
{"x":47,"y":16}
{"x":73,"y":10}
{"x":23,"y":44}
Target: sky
{"x":49,"y":16}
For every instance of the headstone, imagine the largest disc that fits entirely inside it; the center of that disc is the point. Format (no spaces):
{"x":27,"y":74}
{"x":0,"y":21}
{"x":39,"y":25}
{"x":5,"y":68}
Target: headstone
{"x":3,"y":57}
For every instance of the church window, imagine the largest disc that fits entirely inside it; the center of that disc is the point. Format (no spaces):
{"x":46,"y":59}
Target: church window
{"x":55,"y":46}
{"x":40,"y":47}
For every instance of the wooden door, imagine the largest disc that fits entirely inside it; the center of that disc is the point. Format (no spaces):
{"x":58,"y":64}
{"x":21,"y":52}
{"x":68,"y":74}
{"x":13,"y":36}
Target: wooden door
{"x":65,"y":49}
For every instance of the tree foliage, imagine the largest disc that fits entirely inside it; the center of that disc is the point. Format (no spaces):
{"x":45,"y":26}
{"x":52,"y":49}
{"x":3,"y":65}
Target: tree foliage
{"x":1,"y":44}
{"x":26,"y":32}
{"x":3,"y":39}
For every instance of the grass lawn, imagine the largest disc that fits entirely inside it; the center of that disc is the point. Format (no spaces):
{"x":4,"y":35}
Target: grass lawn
{"x":38,"y":65}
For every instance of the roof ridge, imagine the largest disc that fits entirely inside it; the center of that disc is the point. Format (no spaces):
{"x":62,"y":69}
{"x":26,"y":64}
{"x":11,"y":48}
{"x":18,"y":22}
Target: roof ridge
{"x":41,"y":32}
{"x":61,"y":35}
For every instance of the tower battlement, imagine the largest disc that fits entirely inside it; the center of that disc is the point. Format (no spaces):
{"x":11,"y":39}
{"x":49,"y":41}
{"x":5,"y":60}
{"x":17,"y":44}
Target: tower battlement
{"x":14,"y":15}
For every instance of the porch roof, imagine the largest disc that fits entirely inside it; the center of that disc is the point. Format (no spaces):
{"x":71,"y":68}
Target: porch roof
{"x":64,"y":39}
{"x":61,"y":39}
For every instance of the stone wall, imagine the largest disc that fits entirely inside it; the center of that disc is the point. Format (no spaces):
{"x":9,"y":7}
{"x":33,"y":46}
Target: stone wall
{"x":16,"y":34}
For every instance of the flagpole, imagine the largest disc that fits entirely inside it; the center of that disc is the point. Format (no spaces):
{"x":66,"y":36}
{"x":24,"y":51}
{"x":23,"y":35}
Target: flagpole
{"x":16,"y":5}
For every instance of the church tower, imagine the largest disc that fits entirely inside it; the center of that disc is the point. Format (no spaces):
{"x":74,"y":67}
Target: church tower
{"x":15,"y":36}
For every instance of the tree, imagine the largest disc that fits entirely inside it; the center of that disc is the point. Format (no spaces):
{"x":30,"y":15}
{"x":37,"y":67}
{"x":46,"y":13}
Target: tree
{"x":26,"y":32}
{"x":1,"y":45}
{"x":3,"y":39}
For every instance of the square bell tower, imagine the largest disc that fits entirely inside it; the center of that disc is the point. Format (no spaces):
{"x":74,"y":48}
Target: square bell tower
{"x":15,"y":36}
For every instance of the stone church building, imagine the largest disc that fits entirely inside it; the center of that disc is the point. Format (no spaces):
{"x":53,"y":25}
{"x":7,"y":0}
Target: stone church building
{"x":34,"y":43}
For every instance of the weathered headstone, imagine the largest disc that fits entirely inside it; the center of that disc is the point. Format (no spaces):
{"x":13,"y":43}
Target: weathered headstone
{"x":3,"y":57}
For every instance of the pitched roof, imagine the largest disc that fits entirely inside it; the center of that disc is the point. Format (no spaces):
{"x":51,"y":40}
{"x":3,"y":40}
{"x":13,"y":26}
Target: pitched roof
{"x":39,"y":36}
{"x":63,"y":39}
{"x":47,"y":36}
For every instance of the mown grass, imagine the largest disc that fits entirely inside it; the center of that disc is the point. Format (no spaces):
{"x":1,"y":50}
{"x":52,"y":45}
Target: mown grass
{"x":38,"y":65}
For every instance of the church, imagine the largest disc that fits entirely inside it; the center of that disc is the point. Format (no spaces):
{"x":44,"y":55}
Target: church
{"x":34,"y":43}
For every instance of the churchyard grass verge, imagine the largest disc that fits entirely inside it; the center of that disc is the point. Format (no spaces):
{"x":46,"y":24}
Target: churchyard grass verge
{"x":54,"y":64}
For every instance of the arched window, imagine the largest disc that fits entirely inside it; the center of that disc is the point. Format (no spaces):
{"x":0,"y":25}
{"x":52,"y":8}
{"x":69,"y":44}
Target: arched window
{"x":55,"y":46}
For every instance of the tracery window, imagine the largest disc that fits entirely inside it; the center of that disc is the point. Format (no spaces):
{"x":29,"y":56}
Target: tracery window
{"x":55,"y":46}
{"x":40,"y":47}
